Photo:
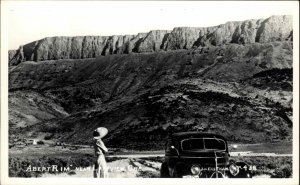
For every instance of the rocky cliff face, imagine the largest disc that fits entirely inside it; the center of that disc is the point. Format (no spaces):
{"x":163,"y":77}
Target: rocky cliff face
{"x":275,"y":28}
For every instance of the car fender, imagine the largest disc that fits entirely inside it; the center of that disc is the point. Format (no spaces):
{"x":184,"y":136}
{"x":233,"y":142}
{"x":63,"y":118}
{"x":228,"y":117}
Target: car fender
{"x":181,"y":169}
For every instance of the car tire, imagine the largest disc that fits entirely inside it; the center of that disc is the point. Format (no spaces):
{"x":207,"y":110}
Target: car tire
{"x":244,"y":173}
{"x":177,"y":172}
{"x":164,"y":171}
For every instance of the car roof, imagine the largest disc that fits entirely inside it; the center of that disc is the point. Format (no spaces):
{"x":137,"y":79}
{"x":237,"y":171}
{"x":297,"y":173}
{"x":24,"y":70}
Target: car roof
{"x":182,"y":135}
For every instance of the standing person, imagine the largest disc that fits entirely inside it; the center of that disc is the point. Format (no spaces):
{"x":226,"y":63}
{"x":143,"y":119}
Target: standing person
{"x":100,"y":170}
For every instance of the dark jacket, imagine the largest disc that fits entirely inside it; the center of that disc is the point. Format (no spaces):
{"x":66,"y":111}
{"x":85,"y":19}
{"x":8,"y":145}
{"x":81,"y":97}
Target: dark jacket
{"x":99,"y":147}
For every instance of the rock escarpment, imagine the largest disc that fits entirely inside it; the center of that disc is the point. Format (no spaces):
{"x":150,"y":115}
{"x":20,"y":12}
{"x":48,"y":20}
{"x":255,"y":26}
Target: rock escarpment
{"x":275,"y":28}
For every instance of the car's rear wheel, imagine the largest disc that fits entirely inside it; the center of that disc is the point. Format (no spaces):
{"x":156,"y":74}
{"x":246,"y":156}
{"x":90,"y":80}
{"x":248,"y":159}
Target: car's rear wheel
{"x":164,"y":171}
{"x":178,"y":171}
{"x":245,"y":171}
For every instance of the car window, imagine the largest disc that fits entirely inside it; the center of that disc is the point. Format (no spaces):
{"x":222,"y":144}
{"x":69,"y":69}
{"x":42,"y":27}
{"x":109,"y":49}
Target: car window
{"x":203,"y":143}
{"x":192,"y":144}
{"x":217,"y":144}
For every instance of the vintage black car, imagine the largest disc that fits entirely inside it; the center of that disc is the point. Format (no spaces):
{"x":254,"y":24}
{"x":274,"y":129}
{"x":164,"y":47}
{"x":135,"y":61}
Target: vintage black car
{"x":200,"y":155}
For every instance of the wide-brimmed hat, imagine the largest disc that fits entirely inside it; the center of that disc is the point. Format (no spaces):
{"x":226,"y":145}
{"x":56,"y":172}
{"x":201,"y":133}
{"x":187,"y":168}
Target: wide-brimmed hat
{"x":100,"y":132}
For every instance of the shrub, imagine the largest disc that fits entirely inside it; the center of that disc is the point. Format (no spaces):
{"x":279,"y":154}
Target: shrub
{"x":284,"y":171}
{"x":40,"y":142}
{"x":48,"y":137}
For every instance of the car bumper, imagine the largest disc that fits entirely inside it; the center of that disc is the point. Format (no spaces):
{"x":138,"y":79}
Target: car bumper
{"x":190,"y":176}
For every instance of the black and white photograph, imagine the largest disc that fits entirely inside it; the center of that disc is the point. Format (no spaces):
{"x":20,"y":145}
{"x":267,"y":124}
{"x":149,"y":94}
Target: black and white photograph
{"x":195,"y":91}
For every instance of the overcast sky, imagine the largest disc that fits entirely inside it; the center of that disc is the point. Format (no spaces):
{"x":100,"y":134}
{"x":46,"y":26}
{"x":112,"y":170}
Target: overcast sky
{"x":33,"y":20}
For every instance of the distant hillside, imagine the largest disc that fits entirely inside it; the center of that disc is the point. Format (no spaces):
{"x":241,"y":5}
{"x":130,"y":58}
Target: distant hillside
{"x":242,"y":91}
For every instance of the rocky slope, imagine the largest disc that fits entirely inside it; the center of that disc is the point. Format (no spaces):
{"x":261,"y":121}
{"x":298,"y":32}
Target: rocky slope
{"x":242,"y":91}
{"x":275,"y":28}
{"x":28,"y":108}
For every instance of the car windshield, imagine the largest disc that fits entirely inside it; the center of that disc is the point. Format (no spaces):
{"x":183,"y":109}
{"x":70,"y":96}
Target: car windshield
{"x":203,"y":143}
